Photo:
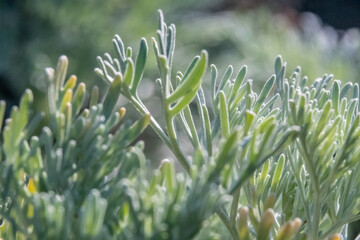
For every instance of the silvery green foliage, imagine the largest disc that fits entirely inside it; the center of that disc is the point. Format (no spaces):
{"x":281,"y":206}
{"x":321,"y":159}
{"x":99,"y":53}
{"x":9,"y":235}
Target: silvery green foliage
{"x":279,"y":164}
{"x":76,"y":174}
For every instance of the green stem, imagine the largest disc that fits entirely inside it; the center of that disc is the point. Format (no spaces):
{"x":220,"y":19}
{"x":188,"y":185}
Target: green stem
{"x":174,"y":144}
{"x":170,"y":140}
{"x":315,"y":221}
{"x":181,"y":120}
{"x":169,"y":120}
{"x":234,"y":207}
{"x":190,"y":122}
{"x":153,"y":123}
{"x":225,"y":219}
{"x":309,"y":164}
{"x":301,"y":186}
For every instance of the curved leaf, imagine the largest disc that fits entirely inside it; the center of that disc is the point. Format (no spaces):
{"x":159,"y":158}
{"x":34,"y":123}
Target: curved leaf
{"x":192,"y":81}
{"x":112,"y":96}
{"x":140,"y":65}
{"x":129,"y":72}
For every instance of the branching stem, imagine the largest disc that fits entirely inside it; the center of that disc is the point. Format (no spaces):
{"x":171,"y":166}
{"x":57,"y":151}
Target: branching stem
{"x":301,"y":186}
{"x":315,"y":221}
{"x":234,"y":207}
{"x":175,"y":146}
{"x":153,"y":123}
{"x":221,"y":212}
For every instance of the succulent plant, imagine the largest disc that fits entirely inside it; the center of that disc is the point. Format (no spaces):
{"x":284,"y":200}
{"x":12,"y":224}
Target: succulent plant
{"x":279,"y":164}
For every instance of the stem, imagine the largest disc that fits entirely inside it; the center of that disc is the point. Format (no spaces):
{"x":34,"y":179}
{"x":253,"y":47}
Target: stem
{"x":308,"y":164}
{"x":153,"y":123}
{"x":315,"y":222}
{"x":225,"y":219}
{"x":170,"y":140}
{"x":302,"y":191}
{"x":316,"y":219}
{"x":245,"y":175}
{"x":181,"y":120}
{"x":174,"y":144}
{"x":234,"y":207}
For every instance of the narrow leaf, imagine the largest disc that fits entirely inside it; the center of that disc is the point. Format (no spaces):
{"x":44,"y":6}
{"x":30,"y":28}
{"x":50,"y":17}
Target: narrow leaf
{"x":182,"y":103}
{"x":129,"y":72}
{"x":191,"y":81}
{"x":67,"y":99}
{"x":345,"y":89}
{"x":225,"y":78}
{"x":140,"y":65}
{"x":278,"y":65}
{"x":78,"y":99}
{"x":61,"y":70}
{"x":278,"y":171}
{"x":190,"y":121}
{"x":137,"y":128}
{"x":336,"y":96}
{"x":171,"y":38}
{"x":2,"y":113}
{"x":94,"y":97}
{"x":224,"y":115}
{"x":238,"y":81}
{"x":70,"y":84}
{"x":207,"y":130}
{"x":112,"y":96}
{"x":264,"y":93}
{"x":191,"y":66}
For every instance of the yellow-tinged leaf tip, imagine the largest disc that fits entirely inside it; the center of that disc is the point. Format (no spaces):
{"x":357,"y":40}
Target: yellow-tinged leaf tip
{"x":122,"y":112}
{"x":335,"y":237}
{"x":31,"y":186}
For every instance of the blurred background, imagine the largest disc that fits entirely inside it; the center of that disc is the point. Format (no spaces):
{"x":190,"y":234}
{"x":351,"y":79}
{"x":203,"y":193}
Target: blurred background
{"x":318,"y":35}
{"x":321,"y":36}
